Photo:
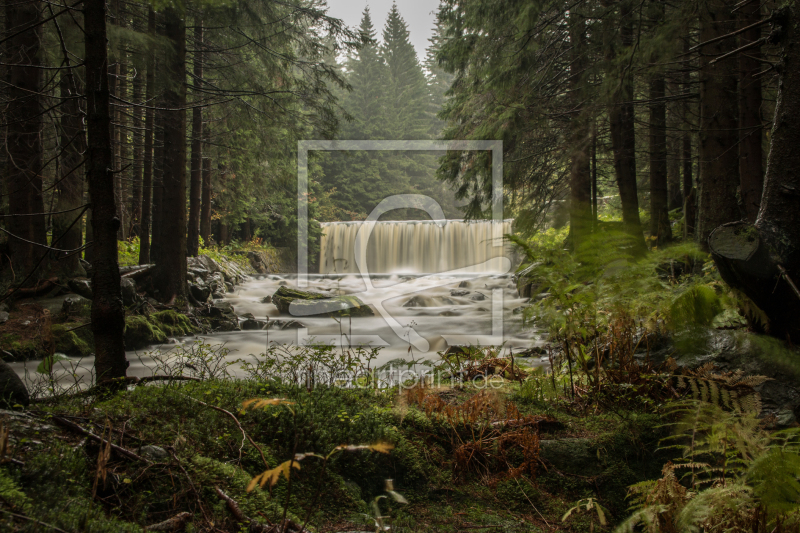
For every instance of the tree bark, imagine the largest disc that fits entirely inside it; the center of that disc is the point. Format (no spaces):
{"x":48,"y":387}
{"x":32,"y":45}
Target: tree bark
{"x":751,"y":171}
{"x":149,"y":134}
{"x":580,"y":214}
{"x":689,"y":191}
{"x":170,"y":276}
{"x":67,"y":233}
{"x":108,"y":314}
{"x":138,"y":153}
{"x":195,"y":187}
{"x":123,"y":172}
{"x":659,"y":209}
{"x":205,"y":210}
{"x":24,"y":140}
{"x":763,"y":260}
{"x":623,"y":132}
{"x":719,"y":112}
{"x":158,"y":186}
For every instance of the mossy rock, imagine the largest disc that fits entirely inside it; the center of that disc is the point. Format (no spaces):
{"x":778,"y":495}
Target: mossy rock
{"x":139,"y":332}
{"x":68,"y":342}
{"x":172,"y":323}
{"x":303,"y":303}
{"x":19,"y":349}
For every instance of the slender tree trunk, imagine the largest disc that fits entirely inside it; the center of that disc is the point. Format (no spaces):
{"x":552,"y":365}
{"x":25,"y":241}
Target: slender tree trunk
{"x":123,"y":172}
{"x":197,"y":149}
{"x":659,"y":214}
{"x":719,"y":111}
{"x":674,"y":185}
{"x":751,"y":171}
{"x":205,"y":211}
{"x":689,"y":191}
{"x":24,"y":139}
{"x":623,"y":133}
{"x":158,"y":187}
{"x":170,"y":278}
{"x":763,"y":260}
{"x":138,"y":152}
{"x":149,"y":133}
{"x":67,"y":233}
{"x":580,"y":214}
{"x":108,"y":314}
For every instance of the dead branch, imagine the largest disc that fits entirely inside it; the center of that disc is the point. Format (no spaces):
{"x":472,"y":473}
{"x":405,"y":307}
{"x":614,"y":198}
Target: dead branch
{"x":82,"y":431}
{"x":172,"y":524}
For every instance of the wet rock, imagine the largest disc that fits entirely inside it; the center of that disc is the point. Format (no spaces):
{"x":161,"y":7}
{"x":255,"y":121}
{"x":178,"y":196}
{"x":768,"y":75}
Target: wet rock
{"x":12,"y":390}
{"x":463,"y":285}
{"x":292,"y":324}
{"x":229,"y":286}
{"x":81,"y":286}
{"x":459,"y":292}
{"x":75,"y":305}
{"x":416,"y":301}
{"x":449,"y":313}
{"x":140,"y":332}
{"x":221,"y":316}
{"x":541,"y":296}
{"x":247,"y":315}
{"x":201,"y":293}
{"x":129,"y":295}
{"x":304,"y":303}
{"x":478,"y":297}
{"x":3,"y":317}
{"x":519,"y":310}
{"x":266,"y":300}
{"x":72,"y":341}
{"x":253,"y":324}
{"x":217,"y":295}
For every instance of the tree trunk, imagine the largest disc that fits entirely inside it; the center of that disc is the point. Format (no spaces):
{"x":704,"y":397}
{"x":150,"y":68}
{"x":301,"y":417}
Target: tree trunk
{"x":580,"y":213}
{"x":623,"y":133}
{"x":108,"y":314}
{"x":192,"y":241}
{"x":67,"y":232}
{"x":751,"y":172}
{"x":763,"y":260}
{"x":659,"y":214}
{"x":205,"y":211}
{"x":123,"y":173}
{"x":170,"y":276}
{"x":156,"y":244}
{"x":149,"y":134}
{"x":24,"y":140}
{"x":719,"y":112}
{"x":138,"y":152}
{"x":689,"y":191}
{"x":674,"y":116}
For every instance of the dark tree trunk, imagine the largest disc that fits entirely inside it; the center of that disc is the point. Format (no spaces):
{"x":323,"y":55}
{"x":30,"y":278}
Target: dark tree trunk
{"x":24,"y":140}
{"x":67,"y":232}
{"x":623,"y":133}
{"x":156,"y":241}
{"x":123,"y":172}
{"x":138,"y":152}
{"x":170,"y":276}
{"x":580,"y":213}
{"x":108,"y":314}
{"x":192,"y":241}
{"x":751,"y":171}
{"x":689,"y":191}
{"x":674,"y":115}
{"x":763,"y":260}
{"x":205,"y":210}
{"x":719,"y":113}
{"x":659,"y":214}
{"x":149,"y":134}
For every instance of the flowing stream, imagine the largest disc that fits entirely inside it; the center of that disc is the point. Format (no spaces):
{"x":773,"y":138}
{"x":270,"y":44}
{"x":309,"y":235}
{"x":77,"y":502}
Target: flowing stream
{"x":470,"y":299}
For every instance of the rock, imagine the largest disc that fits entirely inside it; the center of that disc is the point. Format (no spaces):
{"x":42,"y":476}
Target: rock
{"x":81,"y":286}
{"x":129,"y":295}
{"x":200,"y":293}
{"x":463,"y":285}
{"x":266,"y":300}
{"x":72,"y":342}
{"x":87,"y":266}
{"x":154,"y":453}
{"x":478,"y":297}
{"x":252,"y":324}
{"x":459,"y":292}
{"x":417,"y":301}
{"x":785,"y":418}
{"x":542,"y":296}
{"x":221,"y":316}
{"x":12,"y":389}
{"x":140,"y":332}
{"x":203,"y":262}
{"x":304,"y":303}
{"x":292,"y":324}
{"x":229,"y":286}
{"x":217,"y":295}
{"x":3,"y":317}
{"x":76,"y":306}
{"x":248,"y":315}
{"x":449,"y":313}
{"x":519,"y":310}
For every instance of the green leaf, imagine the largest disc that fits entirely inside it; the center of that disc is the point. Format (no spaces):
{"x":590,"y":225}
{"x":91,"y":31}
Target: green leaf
{"x":46,"y":366}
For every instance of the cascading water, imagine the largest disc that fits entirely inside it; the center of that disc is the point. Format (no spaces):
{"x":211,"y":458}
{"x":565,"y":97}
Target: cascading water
{"x":418,"y":246}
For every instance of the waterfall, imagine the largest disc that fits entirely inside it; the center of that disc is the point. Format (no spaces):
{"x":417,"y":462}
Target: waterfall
{"x":416,"y":246}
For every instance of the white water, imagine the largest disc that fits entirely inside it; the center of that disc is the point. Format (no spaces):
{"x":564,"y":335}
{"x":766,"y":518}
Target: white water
{"x":422,"y":246}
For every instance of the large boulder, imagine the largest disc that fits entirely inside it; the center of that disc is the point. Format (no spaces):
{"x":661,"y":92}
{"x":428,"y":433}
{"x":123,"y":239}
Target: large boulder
{"x":12,"y":389}
{"x":305,"y":303}
{"x":129,"y":295}
{"x":81,"y":286}
{"x":220,"y":316}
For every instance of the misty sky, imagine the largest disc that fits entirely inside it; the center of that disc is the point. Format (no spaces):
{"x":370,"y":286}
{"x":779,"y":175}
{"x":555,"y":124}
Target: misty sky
{"x":418,"y":14}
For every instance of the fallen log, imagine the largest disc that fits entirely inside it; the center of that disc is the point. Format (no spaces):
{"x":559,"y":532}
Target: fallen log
{"x":72,"y":426}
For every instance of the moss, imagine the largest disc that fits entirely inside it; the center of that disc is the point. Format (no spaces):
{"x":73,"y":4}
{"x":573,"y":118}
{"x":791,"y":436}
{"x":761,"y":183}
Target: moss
{"x":19,"y":348}
{"x":172,"y":323}
{"x":139,"y":332}
{"x":68,"y":342}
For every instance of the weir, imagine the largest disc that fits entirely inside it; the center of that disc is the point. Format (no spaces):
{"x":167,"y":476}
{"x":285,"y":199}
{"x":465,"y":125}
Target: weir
{"x":413,"y":246}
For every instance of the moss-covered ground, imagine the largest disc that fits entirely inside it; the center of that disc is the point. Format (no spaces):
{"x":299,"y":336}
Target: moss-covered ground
{"x":48,"y":473}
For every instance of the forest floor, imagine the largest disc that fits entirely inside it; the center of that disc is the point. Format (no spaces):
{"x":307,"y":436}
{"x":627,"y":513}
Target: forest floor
{"x":497,"y":458}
